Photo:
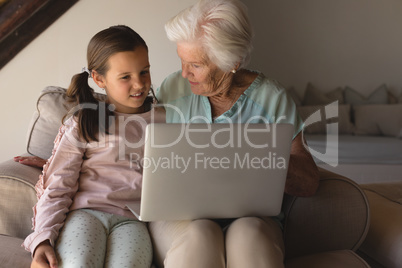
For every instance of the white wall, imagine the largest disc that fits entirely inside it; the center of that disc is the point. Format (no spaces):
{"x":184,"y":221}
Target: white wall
{"x":330,"y":43}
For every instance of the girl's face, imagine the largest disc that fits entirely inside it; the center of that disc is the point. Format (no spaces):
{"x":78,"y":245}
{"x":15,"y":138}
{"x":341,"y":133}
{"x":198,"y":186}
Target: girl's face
{"x":128,"y":80}
{"x":203,"y":75}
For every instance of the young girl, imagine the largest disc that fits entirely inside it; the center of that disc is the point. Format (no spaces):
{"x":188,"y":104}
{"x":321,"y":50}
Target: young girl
{"x":81,"y":219}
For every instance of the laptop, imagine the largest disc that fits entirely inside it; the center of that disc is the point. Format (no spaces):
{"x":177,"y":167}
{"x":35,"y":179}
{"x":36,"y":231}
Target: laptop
{"x":194,"y":171}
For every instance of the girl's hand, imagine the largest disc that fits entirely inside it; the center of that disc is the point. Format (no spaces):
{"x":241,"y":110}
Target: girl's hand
{"x":44,"y":256}
{"x":33,"y":161}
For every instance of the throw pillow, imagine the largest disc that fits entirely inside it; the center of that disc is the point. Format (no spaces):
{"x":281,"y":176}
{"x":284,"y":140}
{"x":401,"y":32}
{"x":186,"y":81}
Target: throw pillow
{"x":378,"y":120}
{"x":379,"y":96}
{"x":314,"y":96}
{"x":345,"y":126}
{"x":46,"y":121}
{"x":393,"y":98}
{"x":294,"y":96}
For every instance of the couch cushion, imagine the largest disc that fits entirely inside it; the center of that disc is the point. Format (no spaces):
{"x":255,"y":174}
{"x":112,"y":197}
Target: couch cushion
{"x":335,"y":196}
{"x":294,"y":96}
{"x":389,"y":190}
{"x":379,"y":96}
{"x":314,"y":96}
{"x":384,"y":238}
{"x":394,"y":98}
{"x":12,"y":254}
{"x":359,"y":150}
{"x":331,"y":259}
{"x":17,"y":198}
{"x":378,"y":120}
{"x":46,"y":121}
{"x":345,"y":126}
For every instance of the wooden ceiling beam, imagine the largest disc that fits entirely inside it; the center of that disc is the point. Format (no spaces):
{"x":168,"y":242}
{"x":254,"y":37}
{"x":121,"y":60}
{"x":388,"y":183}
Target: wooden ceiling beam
{"x":21,"y":21}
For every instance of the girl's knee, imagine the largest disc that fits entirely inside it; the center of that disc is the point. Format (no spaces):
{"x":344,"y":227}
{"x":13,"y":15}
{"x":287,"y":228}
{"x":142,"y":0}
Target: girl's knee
{"x":129,"y":245}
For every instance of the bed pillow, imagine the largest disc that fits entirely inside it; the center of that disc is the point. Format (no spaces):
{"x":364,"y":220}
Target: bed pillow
{"x":378,"y":120}
{"x":320,"y":127}
{"x":378,"y":96}
{"x":314,"y":96}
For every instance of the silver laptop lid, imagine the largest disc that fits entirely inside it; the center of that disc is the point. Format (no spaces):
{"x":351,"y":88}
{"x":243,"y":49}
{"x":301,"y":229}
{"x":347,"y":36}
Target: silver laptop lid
{"x":196,"y":171}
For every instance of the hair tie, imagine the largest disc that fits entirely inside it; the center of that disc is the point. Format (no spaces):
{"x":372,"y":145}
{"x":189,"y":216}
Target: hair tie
{"x":85,"y":69}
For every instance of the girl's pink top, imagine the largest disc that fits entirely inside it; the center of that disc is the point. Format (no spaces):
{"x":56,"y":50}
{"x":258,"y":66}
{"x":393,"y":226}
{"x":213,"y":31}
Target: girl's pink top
{"x":103,"y":175}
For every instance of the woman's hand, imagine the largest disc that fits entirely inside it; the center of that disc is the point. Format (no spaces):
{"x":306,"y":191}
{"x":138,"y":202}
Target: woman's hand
{"x":33,"y":161}
{"x":44,"y":256}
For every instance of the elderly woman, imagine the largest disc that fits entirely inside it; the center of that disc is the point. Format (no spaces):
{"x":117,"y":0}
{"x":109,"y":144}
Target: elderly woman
{"x":213,"y":40}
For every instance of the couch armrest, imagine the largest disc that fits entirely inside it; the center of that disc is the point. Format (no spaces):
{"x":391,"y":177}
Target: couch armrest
{"x":17,"y":198}
{"x":335,"y":218}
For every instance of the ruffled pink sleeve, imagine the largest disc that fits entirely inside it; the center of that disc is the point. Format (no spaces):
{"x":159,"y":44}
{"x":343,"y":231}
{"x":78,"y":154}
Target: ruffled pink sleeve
{"x":56,"y":186}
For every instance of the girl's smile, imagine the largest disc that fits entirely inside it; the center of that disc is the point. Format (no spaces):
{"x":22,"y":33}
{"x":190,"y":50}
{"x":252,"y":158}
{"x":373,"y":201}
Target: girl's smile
{"x":128,"y":81}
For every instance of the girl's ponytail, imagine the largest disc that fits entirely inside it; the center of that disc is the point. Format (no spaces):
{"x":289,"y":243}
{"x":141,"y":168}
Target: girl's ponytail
{"x":85,"y":108}
{"x":79,"y":90}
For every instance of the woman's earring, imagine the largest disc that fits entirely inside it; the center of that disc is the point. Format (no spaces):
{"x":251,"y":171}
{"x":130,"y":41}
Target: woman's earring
{"x":234,"y":71}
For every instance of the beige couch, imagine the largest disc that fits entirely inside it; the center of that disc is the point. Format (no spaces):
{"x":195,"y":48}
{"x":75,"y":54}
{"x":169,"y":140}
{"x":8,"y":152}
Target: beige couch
{"x":320,"y":231}
{"x":383,"y":244}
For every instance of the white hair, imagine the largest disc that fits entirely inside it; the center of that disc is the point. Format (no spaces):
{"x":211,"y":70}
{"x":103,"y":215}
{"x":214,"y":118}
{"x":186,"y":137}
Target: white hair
{"x":222,"y":28}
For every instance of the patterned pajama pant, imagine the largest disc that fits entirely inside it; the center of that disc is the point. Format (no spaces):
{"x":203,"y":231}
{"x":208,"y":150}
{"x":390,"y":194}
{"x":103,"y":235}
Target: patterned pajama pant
{"x":97,"y":239}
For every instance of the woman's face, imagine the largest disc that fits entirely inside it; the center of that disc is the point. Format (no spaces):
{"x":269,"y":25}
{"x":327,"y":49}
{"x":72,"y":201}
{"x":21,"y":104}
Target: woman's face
{"x":127,"y":81}
{"x":203,"y":75}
